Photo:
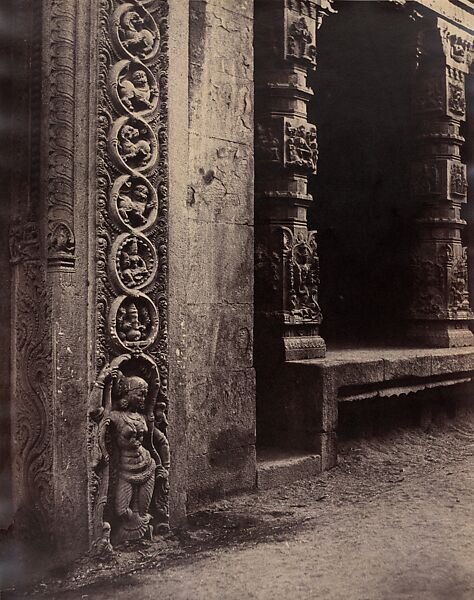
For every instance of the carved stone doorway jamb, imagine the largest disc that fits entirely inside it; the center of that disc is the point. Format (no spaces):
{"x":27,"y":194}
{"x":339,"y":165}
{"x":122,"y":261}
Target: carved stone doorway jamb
{"x":440,"y":312}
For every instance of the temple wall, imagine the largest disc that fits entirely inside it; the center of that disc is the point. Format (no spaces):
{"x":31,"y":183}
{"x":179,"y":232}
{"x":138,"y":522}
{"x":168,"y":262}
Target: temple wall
{"x":221,"y":390}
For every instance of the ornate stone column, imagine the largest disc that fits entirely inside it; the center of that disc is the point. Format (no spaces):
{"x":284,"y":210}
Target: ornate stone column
{"x":49,"y":291}
{"x":440,"y":310}
{"x":286,"y":152}
{"x":89,"y":261}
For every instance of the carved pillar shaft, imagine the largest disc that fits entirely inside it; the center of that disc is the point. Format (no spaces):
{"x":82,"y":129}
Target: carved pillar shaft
{"x":440,"y":310}
{"x":89,"y":243}
{"x":286,"y":263}
{"x":49,"y":294}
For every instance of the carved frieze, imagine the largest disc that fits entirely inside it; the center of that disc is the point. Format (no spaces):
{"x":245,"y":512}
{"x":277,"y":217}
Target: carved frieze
{"x":24,"y":242}
{"x":268,"y":144}
{"x":32,"y":419}
{"x":133,"y":322}
{"x":458,"y":180}
{"x":301,"y":146}
{"x":133,"y":144}
{"x":291,"y":143}
{"x":129,"y":452}
{"x":427,"y":178}
{"x":134,"y":32}
{"x":289,"y":265}
{"x":133,"y":261}
{"x":301,"y":38}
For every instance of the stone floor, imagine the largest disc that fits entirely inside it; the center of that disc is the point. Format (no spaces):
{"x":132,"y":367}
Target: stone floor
{"x":395,"y":520}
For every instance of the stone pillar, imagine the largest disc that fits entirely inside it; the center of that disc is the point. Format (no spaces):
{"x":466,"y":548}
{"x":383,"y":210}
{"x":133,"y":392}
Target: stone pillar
{"x":49,"y":273}
{"x":89,"y":261}
{"x":440,"y":311}
{"x":286,"y":260}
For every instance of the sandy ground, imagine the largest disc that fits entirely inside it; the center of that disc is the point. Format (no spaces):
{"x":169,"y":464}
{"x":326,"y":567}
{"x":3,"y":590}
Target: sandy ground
{"x":395,"y":520}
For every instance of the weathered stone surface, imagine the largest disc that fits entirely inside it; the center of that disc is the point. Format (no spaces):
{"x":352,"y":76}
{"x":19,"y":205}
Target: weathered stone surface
{"x":217,"y":191}
{"x":221,"y":38}
{"x":209,"y":474}
{"x":276,"y":468}
{"x":220,"y":335}
{"x":452,"y":363}
{"x":178,"y":241}
{"x":397,"y":368}
{"x":230,"y":109}
{"x":221,"y":411}
{"x":219,"y":288}
{"x":219,"y":258}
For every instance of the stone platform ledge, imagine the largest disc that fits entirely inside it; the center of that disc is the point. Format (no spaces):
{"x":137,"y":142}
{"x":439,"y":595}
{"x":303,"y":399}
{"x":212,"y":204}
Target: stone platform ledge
{"x":277,"y":467}
{"x":370,"y":372}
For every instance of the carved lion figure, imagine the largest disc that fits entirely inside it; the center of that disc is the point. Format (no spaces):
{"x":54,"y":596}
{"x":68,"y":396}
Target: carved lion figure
{"x":136,"y":37}
{"x":132,"y":147}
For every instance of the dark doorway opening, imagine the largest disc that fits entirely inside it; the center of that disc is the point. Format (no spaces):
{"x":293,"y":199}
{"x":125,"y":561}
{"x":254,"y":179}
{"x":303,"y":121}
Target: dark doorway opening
{"x":362,"y":208}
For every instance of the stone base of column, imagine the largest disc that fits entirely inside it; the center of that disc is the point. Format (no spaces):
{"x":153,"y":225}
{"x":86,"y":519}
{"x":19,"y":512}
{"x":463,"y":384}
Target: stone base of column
{"x":441,"y":334}
{"x":303,"y":347}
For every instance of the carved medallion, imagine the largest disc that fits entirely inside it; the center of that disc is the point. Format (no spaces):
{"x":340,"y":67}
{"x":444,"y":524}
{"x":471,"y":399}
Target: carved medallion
{"x":133,"y":322}
{"x":134,"y":88}
{"x":133,"y":261}
{"x":134,"y":202}
{"x":135,"y":33}
{"x":133,"y":144}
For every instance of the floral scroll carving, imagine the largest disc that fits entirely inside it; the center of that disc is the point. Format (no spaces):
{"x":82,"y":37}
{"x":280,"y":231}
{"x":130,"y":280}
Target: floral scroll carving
{"x":129,"y":452}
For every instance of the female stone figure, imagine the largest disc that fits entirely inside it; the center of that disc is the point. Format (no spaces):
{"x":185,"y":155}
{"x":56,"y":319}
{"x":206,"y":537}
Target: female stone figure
{"x":135,"y":478}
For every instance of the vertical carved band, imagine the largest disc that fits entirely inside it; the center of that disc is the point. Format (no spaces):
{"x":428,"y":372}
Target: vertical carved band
{"x":60,"y":24}
{"x":131,"y":259}
{"x":31,"y":380}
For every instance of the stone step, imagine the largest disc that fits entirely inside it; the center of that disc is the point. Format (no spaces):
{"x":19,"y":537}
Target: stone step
{"x":276,"y":466}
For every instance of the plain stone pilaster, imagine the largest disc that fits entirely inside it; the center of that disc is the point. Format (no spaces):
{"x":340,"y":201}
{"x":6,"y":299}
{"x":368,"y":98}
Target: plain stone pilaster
{"x":178,"y":249}
{"x":220,"y":373}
